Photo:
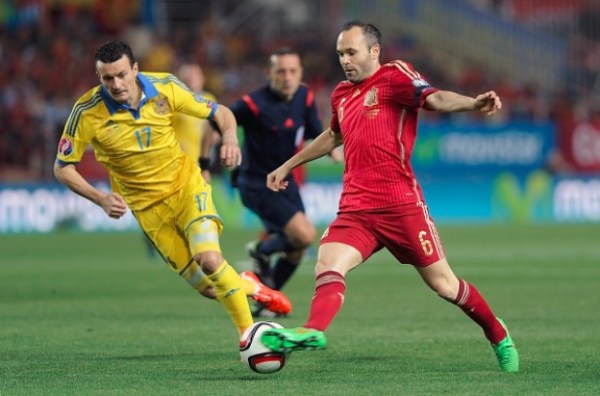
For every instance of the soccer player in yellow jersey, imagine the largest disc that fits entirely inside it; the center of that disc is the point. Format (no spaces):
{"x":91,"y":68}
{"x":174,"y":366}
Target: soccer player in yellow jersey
{"x":128,"y":120}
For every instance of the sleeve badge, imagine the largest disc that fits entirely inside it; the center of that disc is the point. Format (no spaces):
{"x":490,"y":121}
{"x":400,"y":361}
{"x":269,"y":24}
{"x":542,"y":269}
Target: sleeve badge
{"x":65,"y":147}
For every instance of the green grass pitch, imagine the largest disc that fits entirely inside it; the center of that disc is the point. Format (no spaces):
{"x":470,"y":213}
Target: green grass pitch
{"x":91,"y":314}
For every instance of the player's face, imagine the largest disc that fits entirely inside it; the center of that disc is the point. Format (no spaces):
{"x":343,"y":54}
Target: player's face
{"x":285,"y":74}
{"x":358,"y":61}
{"x":119,"y":79}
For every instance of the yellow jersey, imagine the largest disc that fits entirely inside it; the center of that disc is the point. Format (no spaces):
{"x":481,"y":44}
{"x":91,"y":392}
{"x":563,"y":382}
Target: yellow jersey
{"x":139,"y":146}
{"x":189,"y":130}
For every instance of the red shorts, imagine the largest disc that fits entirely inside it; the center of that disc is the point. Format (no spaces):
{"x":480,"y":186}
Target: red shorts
{"x":406,"y":231}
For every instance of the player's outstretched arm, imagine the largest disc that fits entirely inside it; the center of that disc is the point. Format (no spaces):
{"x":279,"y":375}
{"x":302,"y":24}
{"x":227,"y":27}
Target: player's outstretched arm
{"x":113,"y":204}
{"x":231,"y":155}
{"x":322,"y":145}
{"x":448,"y":101}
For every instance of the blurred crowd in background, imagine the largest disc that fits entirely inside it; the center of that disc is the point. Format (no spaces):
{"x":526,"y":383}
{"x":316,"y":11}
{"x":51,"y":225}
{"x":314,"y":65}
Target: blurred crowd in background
{"x":47,"y":47}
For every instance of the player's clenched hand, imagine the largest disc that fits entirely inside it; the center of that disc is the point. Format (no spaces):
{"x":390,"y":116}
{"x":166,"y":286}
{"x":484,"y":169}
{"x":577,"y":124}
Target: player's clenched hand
{"x":488,"y":103}
{"x":113,"y":205}
{"x":276,"y":179}
{"x":231,"y":156}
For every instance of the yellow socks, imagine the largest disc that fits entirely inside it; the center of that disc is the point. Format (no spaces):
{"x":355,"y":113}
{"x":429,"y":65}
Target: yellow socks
{"x":248,"y":286}
{"x":194,"y":276}
{"x":232,"y":294}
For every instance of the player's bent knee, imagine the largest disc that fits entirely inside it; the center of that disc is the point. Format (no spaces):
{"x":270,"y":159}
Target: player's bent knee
{"x":302,"y":243}
{"x":209,"y":261}
{"x":301,"y":233}
{"x":307,"y":238}
{"x":446,"y":296}
{"x":445,"y":290}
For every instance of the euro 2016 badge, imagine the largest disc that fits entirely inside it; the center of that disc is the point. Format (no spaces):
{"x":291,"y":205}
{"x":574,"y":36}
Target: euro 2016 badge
{"x":65,"y":147}
{"x":201,"y":99}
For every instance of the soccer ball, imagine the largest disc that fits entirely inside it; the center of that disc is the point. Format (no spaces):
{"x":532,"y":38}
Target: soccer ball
{"x":255,"y":354}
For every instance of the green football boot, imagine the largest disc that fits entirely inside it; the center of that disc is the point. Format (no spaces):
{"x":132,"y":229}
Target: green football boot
{"x":506,"y":352}
{"x":296,"y":339}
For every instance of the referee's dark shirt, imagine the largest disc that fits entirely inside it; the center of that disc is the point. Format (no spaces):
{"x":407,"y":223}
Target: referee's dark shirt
{"x":274,"y":130}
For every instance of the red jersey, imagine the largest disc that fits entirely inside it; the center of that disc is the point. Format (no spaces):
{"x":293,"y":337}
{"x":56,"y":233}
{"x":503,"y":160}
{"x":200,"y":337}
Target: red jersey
{"x":378,"y":122}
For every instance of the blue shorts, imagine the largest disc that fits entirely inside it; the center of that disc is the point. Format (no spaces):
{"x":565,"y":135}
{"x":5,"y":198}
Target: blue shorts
{"x":274,"y":209}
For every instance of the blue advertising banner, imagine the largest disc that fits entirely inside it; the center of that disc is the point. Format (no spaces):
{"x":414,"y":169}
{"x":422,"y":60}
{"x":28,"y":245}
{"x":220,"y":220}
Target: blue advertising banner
{"x":40,"y":208}
{"x":503,"y":197}
{"x":465,"y":149}
{"x":469,"y":173}
{"x":492,"y":198}
{"x":576,"y":199}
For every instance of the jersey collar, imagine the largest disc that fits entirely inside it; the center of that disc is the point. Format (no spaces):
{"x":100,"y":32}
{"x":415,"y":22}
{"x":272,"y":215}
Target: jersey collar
{"x":148,"y":92}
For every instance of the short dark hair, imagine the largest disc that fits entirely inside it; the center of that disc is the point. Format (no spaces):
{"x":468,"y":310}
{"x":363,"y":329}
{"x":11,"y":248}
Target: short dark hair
{"x":112,"y":51}
{"x":282,"y":51}
{"x":372,"y":34}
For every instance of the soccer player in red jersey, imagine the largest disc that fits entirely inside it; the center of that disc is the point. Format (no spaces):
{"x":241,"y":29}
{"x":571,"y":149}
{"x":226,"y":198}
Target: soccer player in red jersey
{"x":374,"y":114}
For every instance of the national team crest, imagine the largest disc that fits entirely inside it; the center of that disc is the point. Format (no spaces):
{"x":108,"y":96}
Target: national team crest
{"x":111,"y":127}
{"x":161,"y":106}
{"x":371,"y":97}
{"x":65,"y":147}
